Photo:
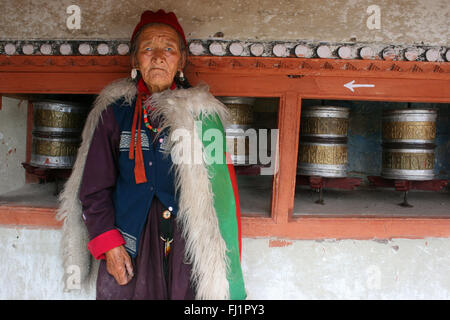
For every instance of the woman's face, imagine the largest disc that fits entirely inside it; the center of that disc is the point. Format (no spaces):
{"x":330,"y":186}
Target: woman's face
{"x":158,"y":56}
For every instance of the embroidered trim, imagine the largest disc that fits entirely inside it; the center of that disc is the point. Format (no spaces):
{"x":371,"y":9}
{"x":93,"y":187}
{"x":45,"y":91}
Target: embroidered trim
{"x":130,"y":241}
{"x":125,"y":141}
{"x":163,"y":143}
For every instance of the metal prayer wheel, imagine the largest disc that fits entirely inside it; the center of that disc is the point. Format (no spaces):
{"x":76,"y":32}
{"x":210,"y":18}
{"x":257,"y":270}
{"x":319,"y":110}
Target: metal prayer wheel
{"x":409,"y":126}
{"x":241,"y":110}
{"x":241,"y":119}
{"x":56,"y":133}
{"x":324,"y":122}
{"x":323,"y":159}
{"x":323,"y":141}
{"x":58,"y":117}
{"x":408,"y":144}
{"x":54,"y":152}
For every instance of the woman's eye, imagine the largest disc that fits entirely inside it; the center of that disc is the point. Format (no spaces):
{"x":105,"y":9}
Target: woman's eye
{"x":148,"y":49}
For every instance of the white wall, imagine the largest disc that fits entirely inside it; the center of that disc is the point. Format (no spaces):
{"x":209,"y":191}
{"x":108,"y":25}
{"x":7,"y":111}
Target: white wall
{"x":349,"y":269}
{"x":30,"y":266}
{"x":13,"y":130}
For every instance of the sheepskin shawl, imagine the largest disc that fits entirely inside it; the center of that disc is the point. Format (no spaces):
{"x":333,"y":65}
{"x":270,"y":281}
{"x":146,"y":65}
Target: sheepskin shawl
{"x":205,"y":248}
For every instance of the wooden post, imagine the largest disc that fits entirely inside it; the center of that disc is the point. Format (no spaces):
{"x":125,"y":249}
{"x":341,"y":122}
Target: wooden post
{"x":284,"y":180}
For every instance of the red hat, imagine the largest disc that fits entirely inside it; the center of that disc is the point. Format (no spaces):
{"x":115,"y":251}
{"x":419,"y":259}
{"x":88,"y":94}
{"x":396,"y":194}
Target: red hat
{"x":160,"y":16}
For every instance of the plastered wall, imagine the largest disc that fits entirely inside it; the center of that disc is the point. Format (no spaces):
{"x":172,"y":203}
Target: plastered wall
{"x":346,"y":269}
{"x":13,"y":130}
{"x":391,"y":21}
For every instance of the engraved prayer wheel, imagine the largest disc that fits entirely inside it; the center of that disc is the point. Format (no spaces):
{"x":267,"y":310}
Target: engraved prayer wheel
{"x":54,"y":152}
{"x":58,"y":117}
{"x":326,"y":159}
{"x":241,"y":119}
{"x":324,"y":122}
{"x":409,"y":126}
{"x":241,"y":110}
{"x":408,"y":162}
{"x":56,"y":134}
{"x":408,"y":144}
{"x":323,"y":141}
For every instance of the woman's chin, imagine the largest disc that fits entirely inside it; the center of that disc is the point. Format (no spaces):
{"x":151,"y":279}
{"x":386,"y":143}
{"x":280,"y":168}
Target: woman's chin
{"x":158,"y":80}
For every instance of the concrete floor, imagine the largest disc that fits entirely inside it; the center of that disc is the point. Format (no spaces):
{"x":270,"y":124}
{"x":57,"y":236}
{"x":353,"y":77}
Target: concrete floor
{"x":372,"y":202}
{"x":256,"y":192}
{"x":255,"y":198}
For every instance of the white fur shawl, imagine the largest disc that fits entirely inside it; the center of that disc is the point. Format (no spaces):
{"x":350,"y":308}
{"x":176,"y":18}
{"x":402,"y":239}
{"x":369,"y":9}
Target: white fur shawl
{"x":205,"y":248}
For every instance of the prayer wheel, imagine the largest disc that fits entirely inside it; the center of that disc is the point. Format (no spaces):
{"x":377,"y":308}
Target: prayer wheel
{"x":56,"y":134}
{"x":324,"y":122}
{"x":54,"y":152}
{"x":241,"y":119}
{"x":323,"y":141}
{"x":56,"y":117}
{"x":408,"y":144}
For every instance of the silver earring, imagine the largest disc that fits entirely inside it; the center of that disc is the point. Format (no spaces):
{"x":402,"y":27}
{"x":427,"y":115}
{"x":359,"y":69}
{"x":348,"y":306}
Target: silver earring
{"x":181,"y":76}
{"x":133,"y":73}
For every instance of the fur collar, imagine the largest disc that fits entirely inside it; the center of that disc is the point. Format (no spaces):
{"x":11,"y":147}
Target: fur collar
{"x":205,"y":248}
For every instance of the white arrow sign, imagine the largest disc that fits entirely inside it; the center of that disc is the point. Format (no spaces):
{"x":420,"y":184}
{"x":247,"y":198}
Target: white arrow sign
{"x":352,"y":85}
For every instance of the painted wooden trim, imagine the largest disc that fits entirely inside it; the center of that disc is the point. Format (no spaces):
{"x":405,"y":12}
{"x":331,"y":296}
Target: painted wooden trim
{"x":320,"y":67}
{"x":352,"y":227}
{"x":394,"y":80}
{"x":304,"y":228}
{"x":25,"y":216}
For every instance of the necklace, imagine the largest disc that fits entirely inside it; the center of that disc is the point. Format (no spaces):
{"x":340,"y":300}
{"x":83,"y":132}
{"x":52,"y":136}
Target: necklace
{"x":147,"y":123}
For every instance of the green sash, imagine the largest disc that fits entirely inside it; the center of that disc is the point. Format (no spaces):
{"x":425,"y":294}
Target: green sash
{"x":225,"y":206}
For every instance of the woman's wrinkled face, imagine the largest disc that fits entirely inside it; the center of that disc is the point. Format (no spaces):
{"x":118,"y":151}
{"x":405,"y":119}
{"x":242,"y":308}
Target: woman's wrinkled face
{"x":158,"y":56}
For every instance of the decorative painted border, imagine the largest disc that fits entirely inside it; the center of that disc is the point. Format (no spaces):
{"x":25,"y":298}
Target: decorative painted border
{"x":63,"y":48}
{"x":197,"y":47}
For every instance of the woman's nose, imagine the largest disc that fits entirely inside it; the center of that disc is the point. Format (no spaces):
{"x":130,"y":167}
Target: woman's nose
{"x":158,"y":55}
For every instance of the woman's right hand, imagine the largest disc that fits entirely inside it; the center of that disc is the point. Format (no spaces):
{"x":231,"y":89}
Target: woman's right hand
{"x":118,"y":264}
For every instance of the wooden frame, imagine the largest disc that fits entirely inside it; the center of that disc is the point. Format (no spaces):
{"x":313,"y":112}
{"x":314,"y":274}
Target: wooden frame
{"x":290,"y":79}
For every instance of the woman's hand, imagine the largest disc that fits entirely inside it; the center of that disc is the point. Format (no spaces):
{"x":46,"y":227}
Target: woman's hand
{"x":118,"y":264}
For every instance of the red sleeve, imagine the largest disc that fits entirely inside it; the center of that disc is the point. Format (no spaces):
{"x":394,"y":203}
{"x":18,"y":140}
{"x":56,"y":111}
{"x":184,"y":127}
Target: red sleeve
{"x":104,"y":242}
{"x":236,"y":197}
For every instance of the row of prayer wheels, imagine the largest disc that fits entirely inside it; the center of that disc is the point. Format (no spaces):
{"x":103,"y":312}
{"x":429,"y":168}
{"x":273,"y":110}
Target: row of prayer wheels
{"x":407,"y":139}
{"x":57,"y":127}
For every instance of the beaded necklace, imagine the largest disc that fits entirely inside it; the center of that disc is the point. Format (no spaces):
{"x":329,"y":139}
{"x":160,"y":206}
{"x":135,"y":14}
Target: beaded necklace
{"x":147,"y":123}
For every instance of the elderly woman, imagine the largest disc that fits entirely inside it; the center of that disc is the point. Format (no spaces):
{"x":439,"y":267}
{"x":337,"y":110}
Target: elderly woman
{"x":161,"y":229}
